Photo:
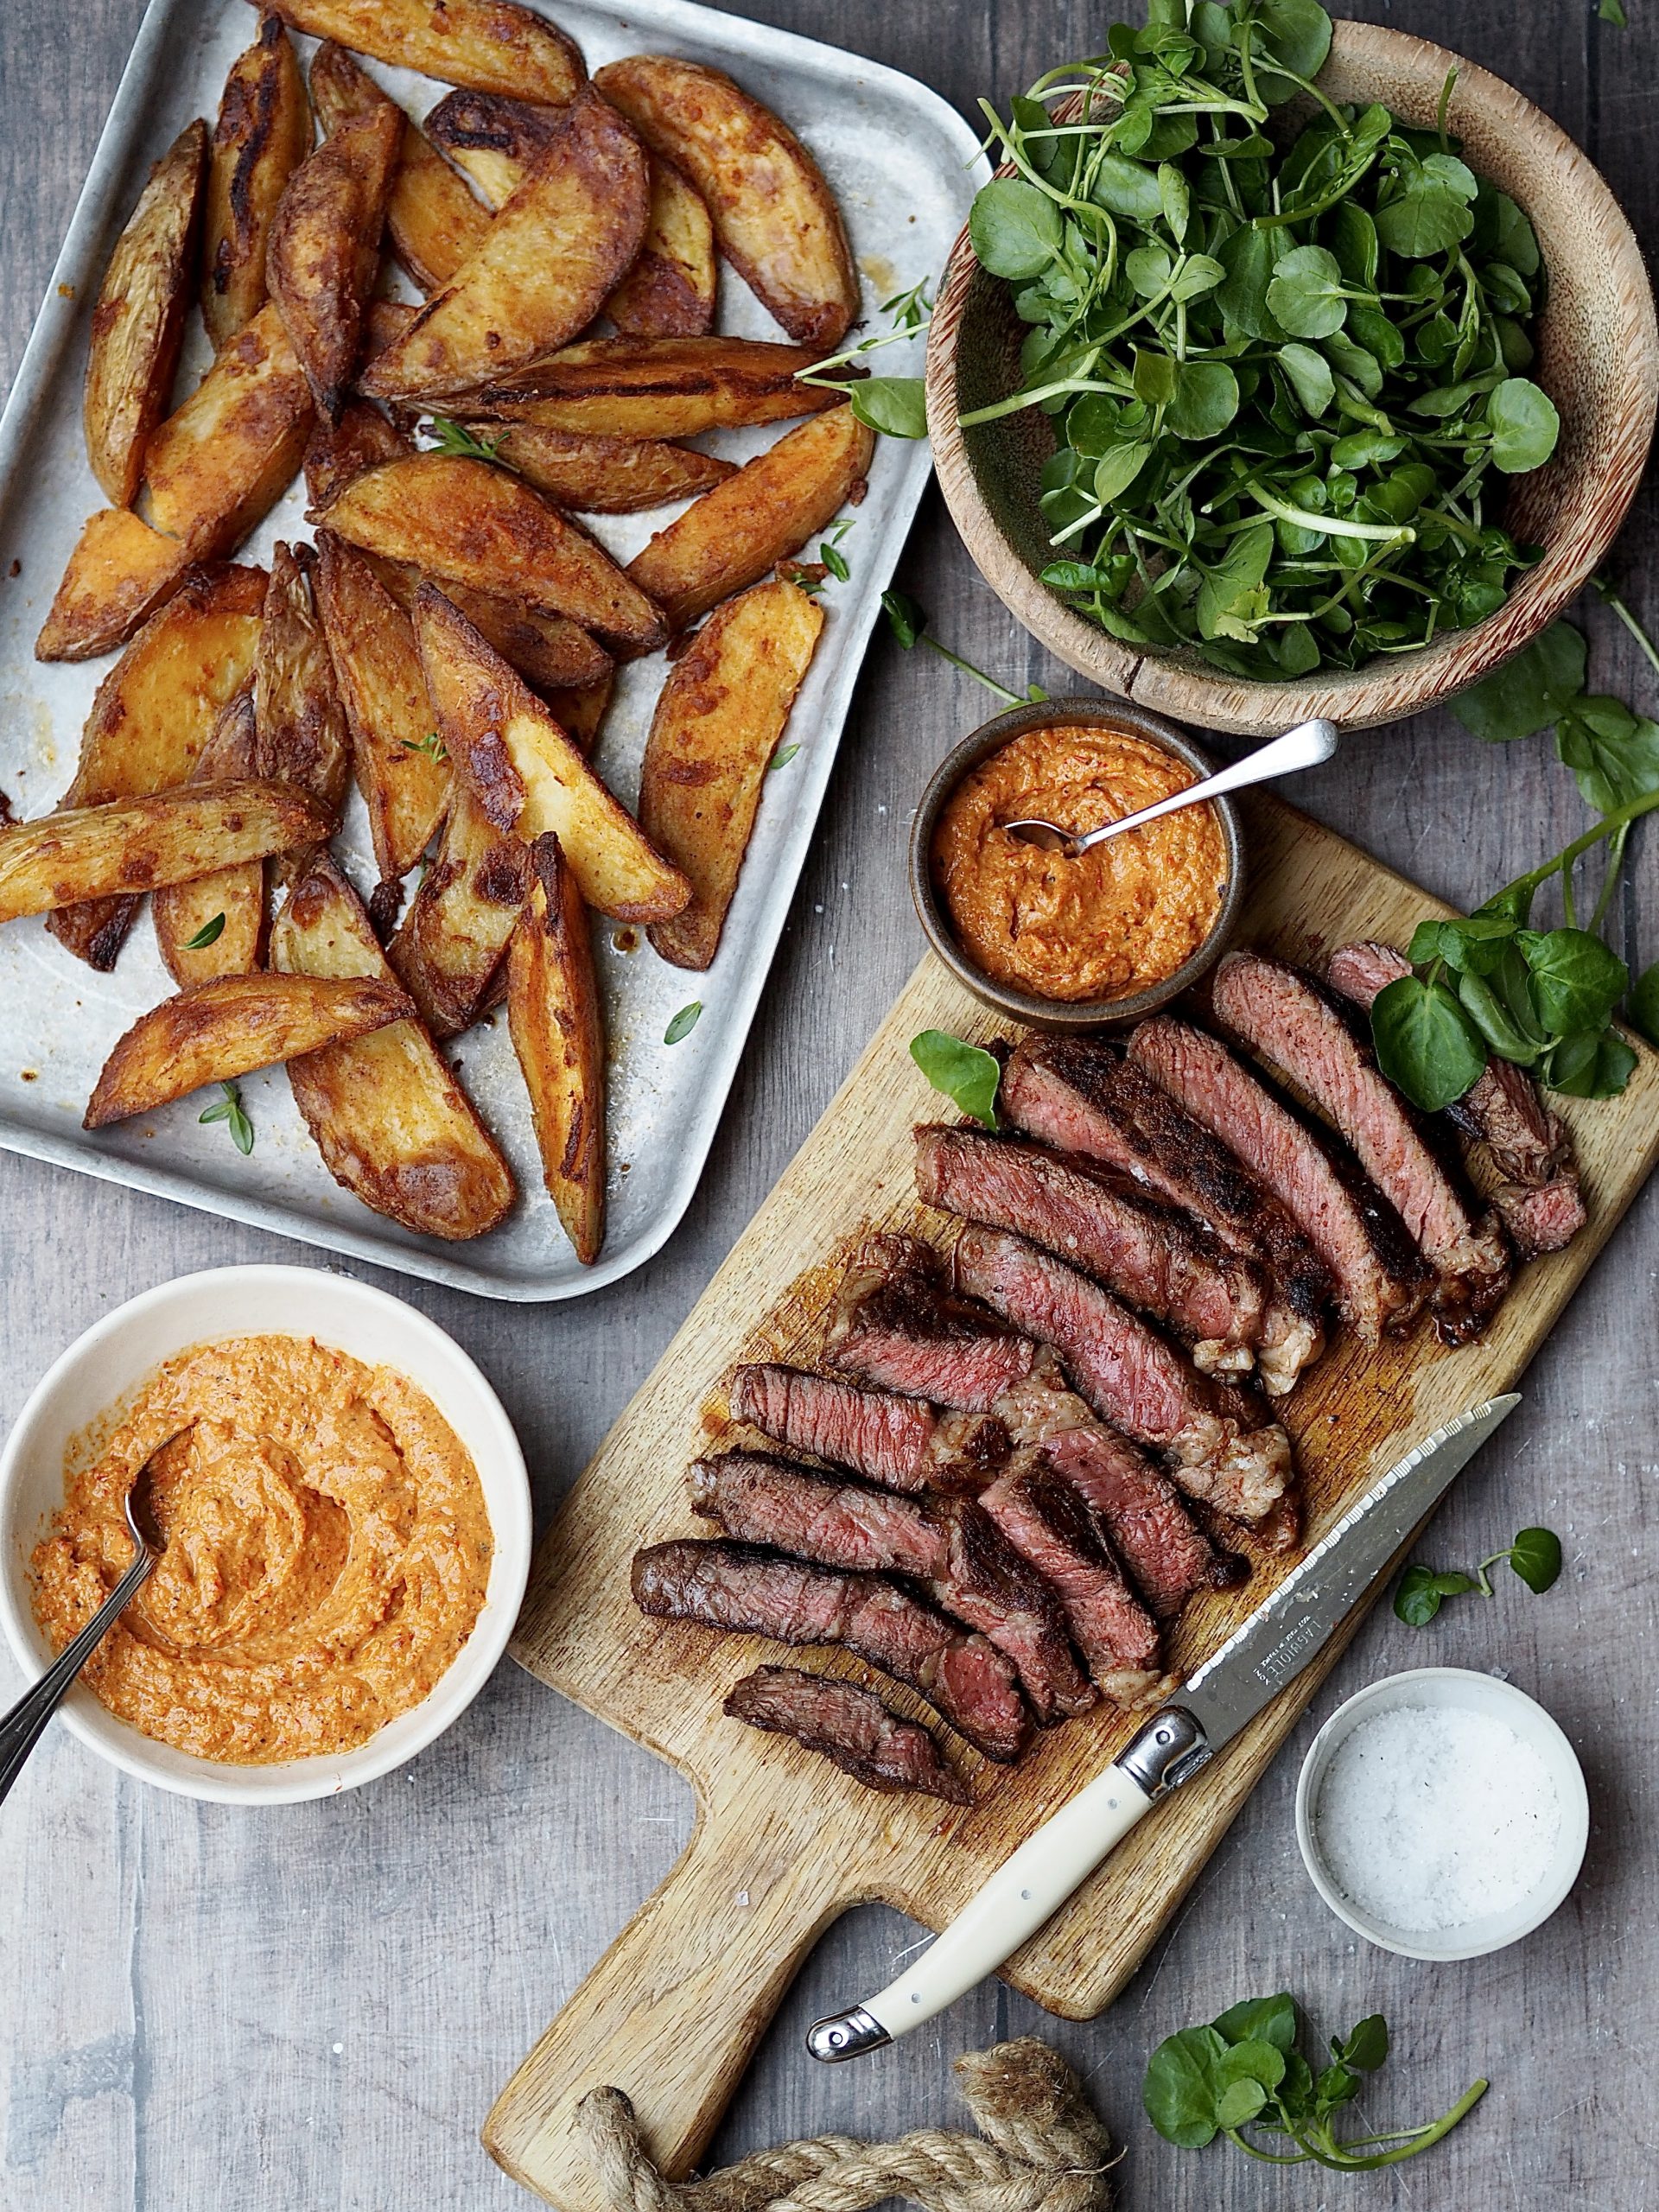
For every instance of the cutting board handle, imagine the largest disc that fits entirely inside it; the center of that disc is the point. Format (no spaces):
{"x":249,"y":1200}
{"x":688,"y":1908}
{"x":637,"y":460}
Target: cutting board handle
{"x":673,"y":2010}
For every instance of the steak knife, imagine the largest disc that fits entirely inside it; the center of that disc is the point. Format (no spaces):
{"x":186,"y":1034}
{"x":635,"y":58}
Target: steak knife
{"x":1271,"y":1648}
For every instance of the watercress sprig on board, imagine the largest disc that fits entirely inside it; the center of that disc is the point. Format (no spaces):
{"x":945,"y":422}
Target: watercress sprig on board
{"x":1535,"y":1556}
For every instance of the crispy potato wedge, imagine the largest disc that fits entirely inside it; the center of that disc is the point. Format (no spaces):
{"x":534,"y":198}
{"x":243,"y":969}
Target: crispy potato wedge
{"x":490,"y":44}
{"x":220,"y":462}
{"x":139,"y":318}
{"x":393,"y":1125}
{"x":527,"y":775}
{"x":658,"y":387}
{"x":395,"y":751}
{"x":495,"y":140}
{"x":550,"y":652}
{"x":775,"y":217}
{"x":604,"y":476}
{"x":152,"y":717}
{"x":432,"y":219}
{"x":119,"y":573}
{"x":336,"y":451}
{"x":300,"y":728}
{"x":129,"y":844}
{"x":514,"y":299}
{"x":553,"y":1014}
{"x":733,"y":534}
{"x":214,"y":1031}
{"x":263,"y":134}
{"x":228,"y":908}
{"x":670,"y":291}
{"x":579,"y":712}
{"x":451,"y":943}
{"x":325,"y":247}
{"x":716,"y":728}
{"x":454,"y":517}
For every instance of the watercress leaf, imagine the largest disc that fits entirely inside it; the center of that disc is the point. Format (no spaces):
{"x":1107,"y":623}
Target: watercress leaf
{"x":1613,"y":753}
{"x":1612,"y":11}
{"x":1091,"y":427}
{"x":1492,"y":1017}
{"x":1336,"y":2086}
{"x":1524,"y":425}
{"x":1367,"y":449}
{"x":1298,"y":35}
{"x":1198,"y":274}
{"x":1501,"y":232}
{"x":966,"y":1074}
{"x":1175,"y":200}
{"x":1227,"y":595}
{"x":1251,"y":2060}
{"x":1154,"y":377}
{"x":1425,"y":1042}
{"x":1536,"y":1555}
{"x":1180,"y":2092}
{"x":1360,"y":367}
{"x":1126,"y":188}
{"x":1353,"y":240}
{"x":1147,"y":269}
{"x":1529,"y":692}
{"x":907,"y":618}
{"x":1206,"y":402}
{"x":1591,"y":1066}
{"x":1296,"y":2090}
{"x":1310,"y":377}
{"x":1416,"y":1601}
{"x":1076,"y":575}
{"x":1367,"y":2046}
{"x":1239,"y":2102}
{"x":1577,"y":979}
{"x":1644,"y":1009}
{"x":897,"y":406}
{"x":1052,"y":158}
{"x":1505,"y":289}
{"x":1477,"y":942}
{"x":683,"y":1022}
{"x":1431,"y":212}
{"x":1306,"y":293}
{"x":1248,"y":258}
{"x":1015,"y":227}
{"x":1382,"y":340}
{"x":1259,"y":2019}
{"x":1116,"y":470}
{"x":1296,"y":649}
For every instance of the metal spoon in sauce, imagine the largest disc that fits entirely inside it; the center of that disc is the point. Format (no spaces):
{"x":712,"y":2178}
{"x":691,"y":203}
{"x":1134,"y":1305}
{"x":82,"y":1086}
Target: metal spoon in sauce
{"x":23,"y":1728}
{"x":1305,"y":746}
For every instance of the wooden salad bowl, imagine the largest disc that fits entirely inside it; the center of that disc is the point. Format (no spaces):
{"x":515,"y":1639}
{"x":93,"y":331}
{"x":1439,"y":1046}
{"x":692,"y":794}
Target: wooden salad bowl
{"x":1598,"y":357}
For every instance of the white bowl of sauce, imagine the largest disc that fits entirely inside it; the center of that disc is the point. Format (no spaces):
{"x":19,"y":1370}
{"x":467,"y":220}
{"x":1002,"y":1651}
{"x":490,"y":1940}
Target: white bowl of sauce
{"x":1442,"y":1814}
{"x":348,"y":1524}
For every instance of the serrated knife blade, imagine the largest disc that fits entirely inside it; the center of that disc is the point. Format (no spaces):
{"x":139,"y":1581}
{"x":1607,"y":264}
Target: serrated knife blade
{"x":1268,"y":1650}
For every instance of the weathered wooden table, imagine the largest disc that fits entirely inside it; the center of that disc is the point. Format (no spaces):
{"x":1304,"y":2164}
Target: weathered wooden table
{"x":201,"y":2006}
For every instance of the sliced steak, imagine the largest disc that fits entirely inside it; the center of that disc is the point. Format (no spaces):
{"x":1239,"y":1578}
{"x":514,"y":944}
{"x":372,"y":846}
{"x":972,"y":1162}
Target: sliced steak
{"x":1222,"y":1449}
{"x":849,"y":1726}
{"x":746,"y":1590}
{"x":948,"y":1544}
{"x":1539,"y":1200}
{"x":1158,"y":1259}
{"x":896,"y":1325}
{"x":1293,"y":1022}
{"x":1167,"y":1554}
{"x":895,"y":1440}
{"x":1087,"y":1096}
{"x":1045,"y":1520}
{"x":1380,"y":1276}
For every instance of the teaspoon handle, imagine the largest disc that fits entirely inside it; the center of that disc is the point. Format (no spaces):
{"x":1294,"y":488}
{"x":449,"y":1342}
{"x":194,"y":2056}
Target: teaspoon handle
{"x":22,"y":1728}
{"x":1305,"y":746}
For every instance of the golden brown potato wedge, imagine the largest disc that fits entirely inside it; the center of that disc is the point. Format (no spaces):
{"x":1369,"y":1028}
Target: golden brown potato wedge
{"x":391,"y":1121}
{"x":715,"y":729}
{"x":215,"y":924}
{"x":527,"y":775}
{"x":670,"y":290}
{"x":454,"y":517}
{"x":397,"y":754}
{"x":491,"y":44}
{"x":516,"y":298}
{"x":733,"y":534}
{"x":451,"y":941}
{"x":325,"y":247}
{"x":153,"y":715}
{"x":579,"y":712}
{"x":119,"y":573}
{"x":775,"y":217}
{"x":129,"y":844}
{"x":220,"y":462}
{"x":214,"y":1031}
{"x":603,"y":476}
{"x":300,"y":729}
{"x":139,"y":318}
{"x":658,"y":387}
{"x":548,"y":651}
{"x":432,"y":218}
{"x":336,"y":451}
{"x":553,"y":1013}
{"x":494,"y":138}
{"x":263,"y":134}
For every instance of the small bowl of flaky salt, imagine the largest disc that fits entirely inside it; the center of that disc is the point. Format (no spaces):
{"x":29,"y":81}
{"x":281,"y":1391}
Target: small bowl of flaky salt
{"x":1442,"y":1814}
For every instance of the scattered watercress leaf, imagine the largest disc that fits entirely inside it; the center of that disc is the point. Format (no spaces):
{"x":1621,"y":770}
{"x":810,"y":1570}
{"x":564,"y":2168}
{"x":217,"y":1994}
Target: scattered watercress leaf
{"x":1426,"y":1042}
{"x":1261,"y":2019}
{"x":1180,"y":2092}
{"x":1577,"y":979}
{"x":1015,"y":229}
{"x":905,"y":618}
{"x":1536,"y":1555}
{"x":968,"y":1075}
{"x":1529,"y":692}
{"x":1644,"y":1009}
{"x":1421,"y":1591}
{"x":1367,"y":2045}
{"x":896,"y":406}
{"x":1612,"y":11}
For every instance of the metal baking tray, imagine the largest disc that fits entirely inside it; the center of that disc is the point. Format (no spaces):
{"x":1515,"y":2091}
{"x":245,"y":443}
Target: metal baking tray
{"x":904,"y":166}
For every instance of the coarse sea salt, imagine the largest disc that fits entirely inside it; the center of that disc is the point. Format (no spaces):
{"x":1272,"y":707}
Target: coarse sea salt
{"x":1430,"y":1817}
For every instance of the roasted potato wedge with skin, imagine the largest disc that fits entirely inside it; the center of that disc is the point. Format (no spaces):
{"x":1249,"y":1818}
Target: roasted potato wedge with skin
{"x":731,"y":536}
{"x":263,"y":134}
{"x":432,"y":219}
{"x":324,"y":248}
{"x":550,"y":652}
{"x":775,"y":217}
{"x":495,"y":139}
{"x":139,"y":318}
{"x":220,"y":462}
{"x":119,"y":573}
{"x":579,"y":713}
{"x":130,"y":844}
{"x":451,"y":943}
{"x":658,"y":387}
{"x":393,"y":1125}
{"x":527,"y":775}
{"x":670,"y":291}
{"x":464,"y":520}
{"x":553,"y":1014}
{"x":300,"y":729}
{"x":337,"y":451}
{"x":519,"y":295}
{"x":491,"y":45}
{"x":214,"y":1031}
{"x":604,"y":476}
{"x":154,"y":713}
{"x":395,"y":746}
{"x":231,"y":900}
{"x":716,"y":727}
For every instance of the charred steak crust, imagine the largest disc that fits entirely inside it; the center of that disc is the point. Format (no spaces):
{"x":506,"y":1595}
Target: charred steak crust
{"x":1379,"y":1275}
{"x":949,"y":1545}
{"x":745,"y":1589}
{"x":1297,"y":1025}
{"x":896,"y":1324}
{"x":893,"y":1440}
{"x":848,"y":1725}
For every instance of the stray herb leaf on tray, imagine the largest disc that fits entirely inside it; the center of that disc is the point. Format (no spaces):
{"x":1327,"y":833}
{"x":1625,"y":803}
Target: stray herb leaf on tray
{"x":908,"y":622}
{"x":230,"y":1110}
{"x":1536,"y":1555}
{"x":967,"y":1074}
{"x":209,"y":933}
{"x":683,"y":1022}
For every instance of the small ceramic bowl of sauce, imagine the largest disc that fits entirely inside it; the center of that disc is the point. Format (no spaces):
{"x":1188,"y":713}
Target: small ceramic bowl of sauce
{"x":1086,"y":943}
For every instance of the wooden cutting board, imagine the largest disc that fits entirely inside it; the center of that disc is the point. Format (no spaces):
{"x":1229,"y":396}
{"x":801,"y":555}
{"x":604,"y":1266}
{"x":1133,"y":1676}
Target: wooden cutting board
{"x":783,"y":1842}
